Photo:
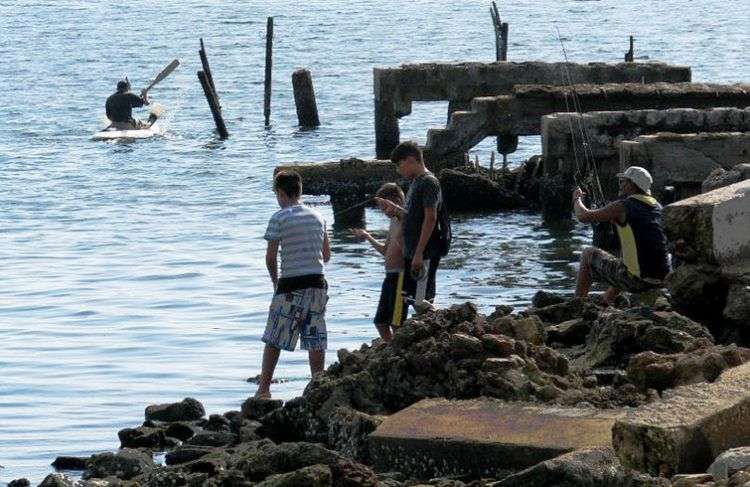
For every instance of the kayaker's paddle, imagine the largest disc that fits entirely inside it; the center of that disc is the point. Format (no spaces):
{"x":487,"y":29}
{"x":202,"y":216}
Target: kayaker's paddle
{"x":164,"y":73}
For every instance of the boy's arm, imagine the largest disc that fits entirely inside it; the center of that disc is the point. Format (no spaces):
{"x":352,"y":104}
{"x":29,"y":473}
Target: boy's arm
{"x":326,"y":249}
{"x":428,"y":225}
{"x":390,"y":208}
{"x":379,"y":246}
{"x":272,"y":252}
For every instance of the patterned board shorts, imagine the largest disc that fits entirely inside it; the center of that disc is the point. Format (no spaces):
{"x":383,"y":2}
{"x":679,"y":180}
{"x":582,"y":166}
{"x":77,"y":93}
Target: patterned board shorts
{"x":613,"y":271}
{"x":298,"y":314}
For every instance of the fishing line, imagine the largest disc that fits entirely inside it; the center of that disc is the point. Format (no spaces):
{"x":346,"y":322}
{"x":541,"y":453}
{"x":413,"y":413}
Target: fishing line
{"x":354,"y":207}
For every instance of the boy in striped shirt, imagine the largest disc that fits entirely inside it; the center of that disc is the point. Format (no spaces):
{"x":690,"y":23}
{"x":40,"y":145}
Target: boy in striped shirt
{"x":297,"y":311}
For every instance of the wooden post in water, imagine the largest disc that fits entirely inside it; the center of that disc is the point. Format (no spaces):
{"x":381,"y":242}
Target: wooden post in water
{"x":304,"y":98}
{"x":269,"y":62}
{"x":501,"y":34}
{"x":630,"y":55}
{"x":213,"y":104}
{"x":206,"y":67}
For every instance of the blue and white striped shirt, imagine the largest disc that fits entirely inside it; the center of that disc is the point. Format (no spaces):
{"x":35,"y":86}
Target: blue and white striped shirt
{"x":301,"y":231}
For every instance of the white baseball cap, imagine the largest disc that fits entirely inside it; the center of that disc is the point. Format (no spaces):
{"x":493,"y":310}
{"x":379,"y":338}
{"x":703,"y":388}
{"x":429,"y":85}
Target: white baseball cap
{"x":638,"y":176}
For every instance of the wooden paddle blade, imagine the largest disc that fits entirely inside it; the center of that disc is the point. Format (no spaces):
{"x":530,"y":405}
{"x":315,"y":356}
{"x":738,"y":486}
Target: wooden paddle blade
{"x":164,"y":73}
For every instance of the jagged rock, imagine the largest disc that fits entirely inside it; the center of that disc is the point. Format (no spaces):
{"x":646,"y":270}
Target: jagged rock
{"x":737,"y":309}
{"x":254,"y":408}
{"x":269,"y":459}
{"x":212,"y":438}
{"x":57,"y":480}
{"x":542,"y":299}
{"x":312,"y":476}
{"x":730,"y":462}
{"x":188,"y":409}
{"x":500,"y":311}
{"x":651,"y":370}
{"x":141,"y":437}
{"x":187,"y":453}
{"x":181,"y":431}
{"x":498,"y":345}
{"x":69,"y":463}
{"x":529,"y":329}
{"x":721,"y":177}
{"x":19,"y":483}
{"x":346,"y":473}
{"x":249,"y":431}
{"x":691,"y":480}
{"x":162,"y":477}
{"x":464,"y":345}
{"x":125,"y":464}
{"x":595,"y":467}
{"x":571,"y":332}
{"x":216,"y":422}
{"x":700,"y":291}
{"x":618,"y":335}
{"x":485,"y":193}
{"x":348,"y":432}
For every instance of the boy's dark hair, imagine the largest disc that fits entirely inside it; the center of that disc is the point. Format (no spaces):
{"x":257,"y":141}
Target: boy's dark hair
{"x":290,"y":182}
{"x":404,"y":150}
{"x":391,"y":192}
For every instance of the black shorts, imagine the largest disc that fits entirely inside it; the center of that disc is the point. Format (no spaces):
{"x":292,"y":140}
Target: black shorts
{"x":391,"y":307}
{"x":423,"y":289}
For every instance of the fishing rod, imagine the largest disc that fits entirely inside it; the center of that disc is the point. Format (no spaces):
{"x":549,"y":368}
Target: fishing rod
{"x":591,"y":179}
{"x":354,"y":207}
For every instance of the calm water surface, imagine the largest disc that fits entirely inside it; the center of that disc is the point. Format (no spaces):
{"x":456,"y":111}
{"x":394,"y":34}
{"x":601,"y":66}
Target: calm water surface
{"x":133,"y":273}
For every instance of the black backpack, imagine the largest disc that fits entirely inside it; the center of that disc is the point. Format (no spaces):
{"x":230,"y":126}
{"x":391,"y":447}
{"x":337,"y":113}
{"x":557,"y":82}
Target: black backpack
{"x":440,"y":241}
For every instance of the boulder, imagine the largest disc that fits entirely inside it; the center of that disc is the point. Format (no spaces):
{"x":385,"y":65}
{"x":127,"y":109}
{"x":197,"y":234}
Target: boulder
{"x":542,"y":299}
{"x":181,"y":430}
{"x":254,"y":408}
{"x":498,"y":345}
{"x":737,"y":309}
{"x":212,"y":438}
{"x":141,"y":437}
{"x":698,"y":290}
{"x":691,"y":479}
{"x":312,"y":476}
{"x":591,"y":467}
{"x":348,"y":432}
{"x":57,"y":480}
{"x":347,"y":473}
{"x":571,"y":332}
{"x":69,"y":463}
{"x":689,"y":427}
{"x":125,"y":464}
{"x":188,"y":409}
{"x":19,"y":483}
{"x":271,"y":459}
{"x":486,"y":194}
{"x":730,"y":462}
{"x":529,"y":329}
{"x":187,"y":453}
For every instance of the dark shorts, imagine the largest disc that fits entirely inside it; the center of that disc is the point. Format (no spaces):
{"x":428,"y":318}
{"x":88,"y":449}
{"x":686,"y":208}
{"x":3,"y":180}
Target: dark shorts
{"x":422,"y":289}
{"x":613,"y":271}
{"x":391,"y":307}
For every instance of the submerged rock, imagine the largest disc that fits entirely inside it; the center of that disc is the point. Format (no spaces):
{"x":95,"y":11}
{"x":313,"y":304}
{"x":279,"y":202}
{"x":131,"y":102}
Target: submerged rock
{"x":69,"y":463}
{"x":125,"y":464}
{"x":57,"y":480}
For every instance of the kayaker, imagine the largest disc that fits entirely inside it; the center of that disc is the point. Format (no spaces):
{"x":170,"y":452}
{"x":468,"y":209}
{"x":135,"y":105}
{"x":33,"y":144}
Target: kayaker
{"x":120,"y":106}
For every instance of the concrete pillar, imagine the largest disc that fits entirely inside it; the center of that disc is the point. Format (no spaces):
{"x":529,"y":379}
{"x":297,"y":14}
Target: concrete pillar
{"x":387,"y":134}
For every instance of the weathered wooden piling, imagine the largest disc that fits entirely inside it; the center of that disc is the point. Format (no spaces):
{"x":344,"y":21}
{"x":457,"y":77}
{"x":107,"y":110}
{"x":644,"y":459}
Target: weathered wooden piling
{"x":269,"y":63}
{"x":630,"y":55}
{"x":501,"y":34}
{"x":304,"y":98}
{"x":209,"y":89}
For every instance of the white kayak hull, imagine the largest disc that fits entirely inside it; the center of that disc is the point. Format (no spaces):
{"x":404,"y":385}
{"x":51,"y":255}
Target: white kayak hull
{"x":143,"y":133}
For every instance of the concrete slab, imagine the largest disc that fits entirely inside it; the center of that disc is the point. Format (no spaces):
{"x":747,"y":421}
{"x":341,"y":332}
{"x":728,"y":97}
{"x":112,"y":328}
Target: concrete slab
{"x":688,"y":428}
{"x":713,"y":227}
{"x":484,"y":437}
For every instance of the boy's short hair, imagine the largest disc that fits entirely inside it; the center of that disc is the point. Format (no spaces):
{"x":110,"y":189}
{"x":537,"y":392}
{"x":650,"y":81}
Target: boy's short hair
{"x":290,"y":182}
{"x":404,"y":150}
{"x":391,"y":192}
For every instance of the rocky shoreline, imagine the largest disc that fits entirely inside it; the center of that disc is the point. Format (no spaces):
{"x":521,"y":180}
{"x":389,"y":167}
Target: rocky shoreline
{"x":564,"y":353}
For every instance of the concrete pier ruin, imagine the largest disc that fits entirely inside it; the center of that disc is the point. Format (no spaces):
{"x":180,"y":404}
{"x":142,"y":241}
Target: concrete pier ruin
{"x":521,"y":112}
{"x":684,"y":161}
{"x":607,"y":130}
{"x":396,"y":88}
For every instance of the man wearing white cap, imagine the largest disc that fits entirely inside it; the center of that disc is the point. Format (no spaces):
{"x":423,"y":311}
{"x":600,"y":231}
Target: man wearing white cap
{"x":637,"y":217}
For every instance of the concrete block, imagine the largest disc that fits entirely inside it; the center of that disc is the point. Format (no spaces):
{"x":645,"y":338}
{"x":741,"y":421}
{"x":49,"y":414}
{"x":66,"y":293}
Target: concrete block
{"x":714,"y":227}
{"x":484,"y":437}
{"x":688,"y":428}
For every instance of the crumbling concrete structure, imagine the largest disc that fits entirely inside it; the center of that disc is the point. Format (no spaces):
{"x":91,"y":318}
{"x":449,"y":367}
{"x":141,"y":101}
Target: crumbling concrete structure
{"x":605,"y":131}
{"x":688,"y":428}
{"x":684,"y":161}
{"x":521,"y":112}
{"x":396,"y":88}
{"x":348,"y":182}
{"x":710,"y":234}
{"x":484,"y":437}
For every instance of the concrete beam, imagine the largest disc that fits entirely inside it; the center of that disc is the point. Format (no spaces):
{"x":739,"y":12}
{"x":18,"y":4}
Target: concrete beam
{"x":347,"y":176}
{"x":396,"y":88}
{"x":483,"y":437}
{"x":684,"y":161}
{"x":688,"y":428}
{"x":713,"y":228}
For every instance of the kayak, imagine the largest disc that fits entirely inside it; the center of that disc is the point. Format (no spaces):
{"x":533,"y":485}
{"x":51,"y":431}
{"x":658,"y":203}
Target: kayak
{"x":112,"y":134}
{"x":145,"y":132}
